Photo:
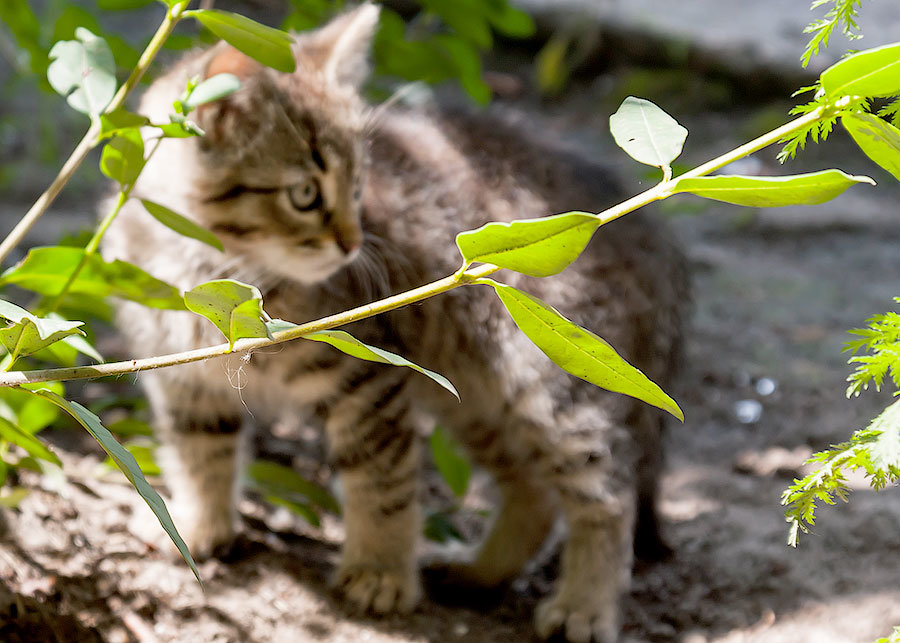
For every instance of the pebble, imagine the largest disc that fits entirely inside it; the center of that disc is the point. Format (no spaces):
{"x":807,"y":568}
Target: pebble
{"x":748,"y":411}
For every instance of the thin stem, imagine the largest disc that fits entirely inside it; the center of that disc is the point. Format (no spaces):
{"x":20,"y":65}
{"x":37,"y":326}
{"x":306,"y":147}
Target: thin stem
{"x":90,"y":138}
{"x":362,"y":312}
{"x":659,"y":191}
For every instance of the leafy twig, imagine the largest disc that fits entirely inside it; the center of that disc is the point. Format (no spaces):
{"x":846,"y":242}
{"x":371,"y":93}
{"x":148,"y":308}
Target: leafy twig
{"x":844,"y":12}
{"x":90,"y":139}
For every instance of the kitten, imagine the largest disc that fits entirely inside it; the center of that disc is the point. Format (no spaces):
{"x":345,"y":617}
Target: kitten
{"x":324,"y":208}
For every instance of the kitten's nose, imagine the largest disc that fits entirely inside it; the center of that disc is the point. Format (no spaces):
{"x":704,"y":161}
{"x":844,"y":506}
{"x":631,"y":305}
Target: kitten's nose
{"x":348,"y":245}
{"x":348,"y":238}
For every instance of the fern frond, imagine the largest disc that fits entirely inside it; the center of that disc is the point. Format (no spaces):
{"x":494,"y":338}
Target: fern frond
{"x":875,"y":450}
{"x":843,"y":13}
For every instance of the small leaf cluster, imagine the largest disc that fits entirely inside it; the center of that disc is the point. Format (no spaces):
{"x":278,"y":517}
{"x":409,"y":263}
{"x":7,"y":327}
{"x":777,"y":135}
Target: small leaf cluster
{"x":71,"y":277}
{"x":893,"y":638}
{"x":845,"y":91}
{"x":874,"y":450}
{"x":881,"y":339}
{"x":843,"y":13}
{"x":445,"y":41}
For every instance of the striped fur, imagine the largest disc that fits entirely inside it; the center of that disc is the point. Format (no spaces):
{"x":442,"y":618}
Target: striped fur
{"x":326,"y":204}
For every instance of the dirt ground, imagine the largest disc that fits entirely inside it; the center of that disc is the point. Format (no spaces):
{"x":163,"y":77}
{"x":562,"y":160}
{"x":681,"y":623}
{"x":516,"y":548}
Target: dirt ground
{"x":762,"y":388}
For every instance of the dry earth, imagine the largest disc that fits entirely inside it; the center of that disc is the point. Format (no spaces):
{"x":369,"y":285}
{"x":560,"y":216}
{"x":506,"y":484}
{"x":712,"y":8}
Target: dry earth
{"x":774,"y":293}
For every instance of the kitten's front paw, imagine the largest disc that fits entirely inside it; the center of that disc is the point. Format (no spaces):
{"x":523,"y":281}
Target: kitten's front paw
{"x":579,"y":621}
{"x":382,"y":591}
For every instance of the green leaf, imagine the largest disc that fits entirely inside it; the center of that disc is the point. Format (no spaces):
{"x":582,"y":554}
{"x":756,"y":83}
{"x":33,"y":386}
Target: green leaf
{"x":127,"y":464}
{"x":12,"y":433}
{"x":29,"y":413}
{"x":269,"y":46}
{"x":46,"y":270}
{"x":771,"y":191}
{"x":647,"y":133}
{"x":347,"y":343}
{"x":130,"y":427}
{"x":235,"y":308}
{"x":123,"y":157}
{"x":440,"y":529}
{"x":450,"y":461}
{"x":536,"y":247}
{"x":873,"y":72}
{"x":302,"y":509}
{"x":84,"y":72}
{"x":878,"y":139}
{"x":180,"y":127}
{"x":182,"y":225}
{"x":119,"y":121}
{"x":144,"y":453}
{"x":10,"y":498}
{"x":274,"y":479}
{"x":28,"y":334}
{"x":509,"y":20}
{"x":579,"y":351}
{"x":213,"y":88}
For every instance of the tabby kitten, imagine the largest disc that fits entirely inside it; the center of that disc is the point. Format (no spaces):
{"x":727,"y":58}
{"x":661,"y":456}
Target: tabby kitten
{"x":326,"y":204}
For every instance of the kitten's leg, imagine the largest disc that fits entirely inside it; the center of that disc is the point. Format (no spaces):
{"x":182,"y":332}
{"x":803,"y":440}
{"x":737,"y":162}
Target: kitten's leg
{"x":596,"y":560}
{"x":200,"y":433}
{"x":527,"y":512}
{"x":377,"y":452}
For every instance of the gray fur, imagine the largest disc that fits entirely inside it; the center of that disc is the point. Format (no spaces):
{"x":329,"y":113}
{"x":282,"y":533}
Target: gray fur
{"x":404,"y":183}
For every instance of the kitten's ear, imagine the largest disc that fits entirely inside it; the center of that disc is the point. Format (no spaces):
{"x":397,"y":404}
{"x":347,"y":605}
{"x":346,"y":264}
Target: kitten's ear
{"x":228,"y":60}
{"x":341,"y":47}
{"x":219,"y":117}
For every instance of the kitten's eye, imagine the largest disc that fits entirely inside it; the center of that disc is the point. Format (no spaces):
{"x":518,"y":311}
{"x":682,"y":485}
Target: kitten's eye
{"x":305,"y":195}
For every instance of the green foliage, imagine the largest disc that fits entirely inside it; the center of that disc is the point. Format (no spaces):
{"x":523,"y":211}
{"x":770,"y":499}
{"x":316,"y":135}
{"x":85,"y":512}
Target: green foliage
{"x":346,"y":343}
{"x":123,"y":157}
{"x":577,"y":350}
{"x":126,"y":463}
{"x":877,"y":138}
{"x":283,"y":486}
{"x":882,"y":340}
{"x":27,"y":334}
{"x":450,"y":461}
{"x":893,"y":638}
{"x":843,"y":13}
{"x":46,"y":271}
{"x":84,"y":72}
{"x":818,"y":130}
{"x":445,"y":40}
{"x":875,"y":450}
{"x":269,"y":46}
{"x":536,"y":247}
{"x":235,"y":308}
{"x":647,"y":133}
{"x":891,"y":112}
{"x":182,"y":225}
{"x":771,"y":191}
{"x":873,"y":72}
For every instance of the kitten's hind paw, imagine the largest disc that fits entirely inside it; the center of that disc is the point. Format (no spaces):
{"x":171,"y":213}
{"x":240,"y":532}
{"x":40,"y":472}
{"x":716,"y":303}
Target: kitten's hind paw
{"x":381,"y":591}
{"x":577,"y":623}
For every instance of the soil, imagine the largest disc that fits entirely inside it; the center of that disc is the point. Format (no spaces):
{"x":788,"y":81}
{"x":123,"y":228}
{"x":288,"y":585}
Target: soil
{"x":762,"y":388}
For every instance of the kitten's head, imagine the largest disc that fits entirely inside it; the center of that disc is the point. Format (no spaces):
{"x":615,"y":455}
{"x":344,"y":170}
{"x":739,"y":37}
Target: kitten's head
{"x":282,"y":159}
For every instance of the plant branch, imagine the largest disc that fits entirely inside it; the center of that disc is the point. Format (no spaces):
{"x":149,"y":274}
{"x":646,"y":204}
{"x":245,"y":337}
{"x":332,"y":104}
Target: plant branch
{"x":16,"y":378}
{"x":90,"y":138}
{"x":659,"y":191}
